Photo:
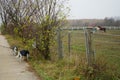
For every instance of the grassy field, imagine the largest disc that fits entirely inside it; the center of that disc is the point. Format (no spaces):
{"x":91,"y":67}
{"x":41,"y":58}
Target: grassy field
{"x":73,"y":65}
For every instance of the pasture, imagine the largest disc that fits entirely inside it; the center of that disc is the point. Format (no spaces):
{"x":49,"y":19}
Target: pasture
{"x":107,"y":44}
{"x":107,"y":57}
{"x":73,"y":65}
{"x":106,"y":47}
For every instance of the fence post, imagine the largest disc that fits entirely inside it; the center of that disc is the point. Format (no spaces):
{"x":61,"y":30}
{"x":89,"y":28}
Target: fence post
{"x":69,"y":40}
{"x":89,"y":50}
{"x":60,"y":50}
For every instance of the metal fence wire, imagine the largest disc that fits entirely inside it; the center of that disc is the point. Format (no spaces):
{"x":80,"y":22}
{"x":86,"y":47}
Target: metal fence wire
{"x":78,"y":43}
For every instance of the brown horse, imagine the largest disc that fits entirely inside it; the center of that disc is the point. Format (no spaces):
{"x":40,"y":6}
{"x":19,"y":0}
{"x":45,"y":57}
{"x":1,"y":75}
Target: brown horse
{"x":101,"y":28}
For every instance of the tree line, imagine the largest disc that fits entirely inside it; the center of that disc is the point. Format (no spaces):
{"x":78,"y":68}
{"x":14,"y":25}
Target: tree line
{"x":95,"y":22}
{"x":35,"y":21}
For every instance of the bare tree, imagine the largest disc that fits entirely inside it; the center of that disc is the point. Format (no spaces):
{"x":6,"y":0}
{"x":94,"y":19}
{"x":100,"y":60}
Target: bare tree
{"x":34,"y":19}
{"x":48,"y":16}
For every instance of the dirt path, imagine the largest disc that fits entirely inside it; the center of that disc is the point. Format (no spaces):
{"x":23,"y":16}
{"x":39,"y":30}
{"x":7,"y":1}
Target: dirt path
{"x":10,"y":67}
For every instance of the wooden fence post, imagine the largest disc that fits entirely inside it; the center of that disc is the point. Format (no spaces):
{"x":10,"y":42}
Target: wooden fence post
{"x":69,"y":41}
{"x":69,"y":49}
{"x":89,"y":50}
{"x":60,"y":49}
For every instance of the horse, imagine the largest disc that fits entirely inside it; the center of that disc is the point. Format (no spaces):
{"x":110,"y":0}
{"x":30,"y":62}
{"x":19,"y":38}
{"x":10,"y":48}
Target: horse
{"x":100,"y":28}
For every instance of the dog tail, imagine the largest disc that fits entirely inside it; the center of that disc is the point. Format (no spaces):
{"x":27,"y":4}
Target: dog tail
{"x":18,"y":55}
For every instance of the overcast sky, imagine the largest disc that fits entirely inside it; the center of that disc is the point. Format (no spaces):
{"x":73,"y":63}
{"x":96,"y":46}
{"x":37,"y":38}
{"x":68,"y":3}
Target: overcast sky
{"x":94,"y":9}
{"x":90,"y":9}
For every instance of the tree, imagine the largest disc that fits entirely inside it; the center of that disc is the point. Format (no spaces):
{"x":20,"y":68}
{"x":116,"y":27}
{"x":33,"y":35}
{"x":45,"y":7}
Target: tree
{"x":3,"y":13}
{"x":109,"y":21}
{"x":34,"y":20}
{"x":49,"y":16}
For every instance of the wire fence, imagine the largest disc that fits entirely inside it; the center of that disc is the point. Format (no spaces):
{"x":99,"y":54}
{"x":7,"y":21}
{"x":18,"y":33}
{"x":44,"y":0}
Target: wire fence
{"x":74,"y":43}
{"x":82,"y":28}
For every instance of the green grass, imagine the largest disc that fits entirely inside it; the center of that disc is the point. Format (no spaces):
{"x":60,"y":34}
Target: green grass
{"x":107,"y":52}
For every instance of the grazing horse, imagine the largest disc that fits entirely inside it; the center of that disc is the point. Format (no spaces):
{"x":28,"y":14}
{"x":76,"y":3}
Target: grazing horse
{"x":101,"y":28}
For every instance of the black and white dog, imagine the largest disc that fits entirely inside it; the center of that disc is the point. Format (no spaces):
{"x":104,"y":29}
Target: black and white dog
{"x":15,"y":50}
{"x":22,"y":54}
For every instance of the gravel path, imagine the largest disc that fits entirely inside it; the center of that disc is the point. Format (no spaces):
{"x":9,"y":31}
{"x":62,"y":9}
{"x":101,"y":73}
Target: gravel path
{"x":10,"y":67}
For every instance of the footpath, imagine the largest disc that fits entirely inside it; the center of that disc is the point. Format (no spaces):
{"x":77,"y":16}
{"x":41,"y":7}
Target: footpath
{"x":10,"y":67}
